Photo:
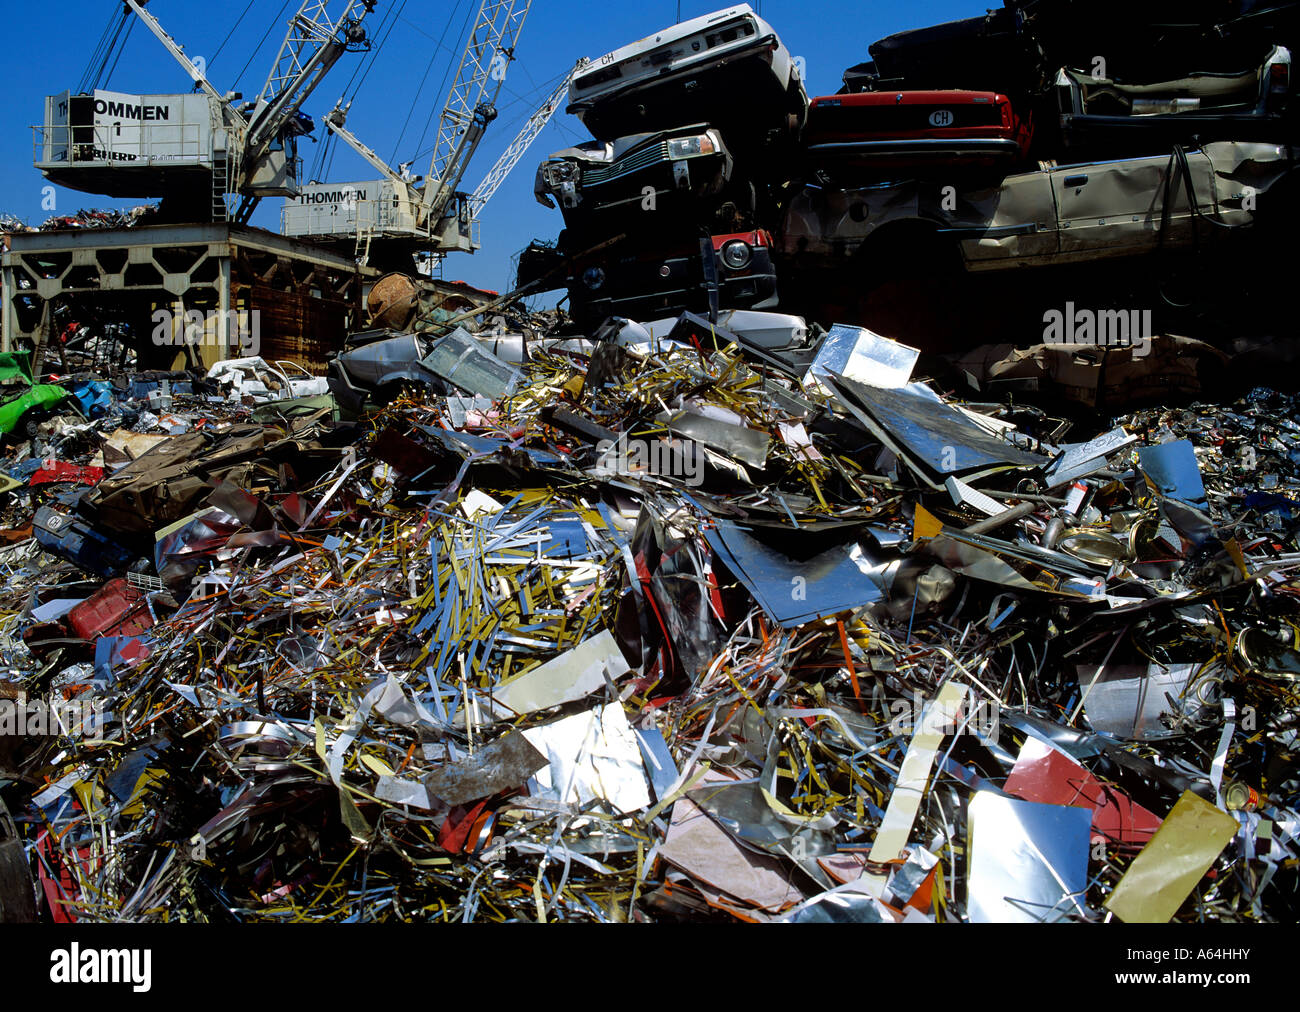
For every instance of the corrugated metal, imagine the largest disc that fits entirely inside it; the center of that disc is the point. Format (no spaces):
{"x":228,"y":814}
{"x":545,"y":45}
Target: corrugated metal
{"x":298,"y":327}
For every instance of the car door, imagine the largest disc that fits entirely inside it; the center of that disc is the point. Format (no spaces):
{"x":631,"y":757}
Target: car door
{"x":300,"y":381}
{"x":1117,"y":208}
{"x":1008,"y":225}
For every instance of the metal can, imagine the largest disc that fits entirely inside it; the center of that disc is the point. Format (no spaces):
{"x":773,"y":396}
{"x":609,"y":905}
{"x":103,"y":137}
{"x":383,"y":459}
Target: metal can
{"x":1240,"y":797}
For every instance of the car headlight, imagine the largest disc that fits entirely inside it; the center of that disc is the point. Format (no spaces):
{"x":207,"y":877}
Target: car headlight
{"x":691,"y":147}
{"x":736,"y":254}
{"x":593,"y":278}
{"x":557,"y":174}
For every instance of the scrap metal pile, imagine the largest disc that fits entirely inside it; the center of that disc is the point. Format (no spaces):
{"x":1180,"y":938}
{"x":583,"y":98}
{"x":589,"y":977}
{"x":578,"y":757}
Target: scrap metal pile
{"x":84,"y":218}
{"x":673,"y":607}
{"x":654,"y":629}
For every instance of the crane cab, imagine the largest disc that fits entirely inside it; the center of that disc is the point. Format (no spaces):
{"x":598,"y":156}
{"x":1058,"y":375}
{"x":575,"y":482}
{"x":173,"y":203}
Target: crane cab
{"x":127,"y":145}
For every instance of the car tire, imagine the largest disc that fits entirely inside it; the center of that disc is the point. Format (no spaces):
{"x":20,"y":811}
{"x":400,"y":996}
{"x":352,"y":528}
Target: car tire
{"x":910,"y":285}
{"x":31,"y":423}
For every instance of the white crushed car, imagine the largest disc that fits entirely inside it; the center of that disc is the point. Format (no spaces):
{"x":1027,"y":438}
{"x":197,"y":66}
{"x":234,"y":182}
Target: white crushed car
{"x":265,"y":381}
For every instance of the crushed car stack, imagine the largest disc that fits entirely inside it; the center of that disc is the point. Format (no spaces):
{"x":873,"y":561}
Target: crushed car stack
{"x":681,"y":173}
{"x":1142,"y":168}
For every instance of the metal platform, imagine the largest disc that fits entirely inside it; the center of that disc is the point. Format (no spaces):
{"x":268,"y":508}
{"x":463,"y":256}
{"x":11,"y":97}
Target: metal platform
{"x":301,"y":298}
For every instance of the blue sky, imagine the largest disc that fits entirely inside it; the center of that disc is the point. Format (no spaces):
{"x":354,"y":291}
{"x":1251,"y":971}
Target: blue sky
{"x":830,"y":36}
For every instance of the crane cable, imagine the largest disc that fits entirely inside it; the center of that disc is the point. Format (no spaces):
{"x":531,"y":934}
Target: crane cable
{"x":368,"y":62}
{"x":230,"y":33}
{"x":433,"y":56}
{"x":325,"y":158}
{"x":120,"y":50}
{"x":253,"y":55}
{"x":103,"y":51}
{"x":96,"y":54}
{"x":452,"y":67}
{"x":324,"y":151}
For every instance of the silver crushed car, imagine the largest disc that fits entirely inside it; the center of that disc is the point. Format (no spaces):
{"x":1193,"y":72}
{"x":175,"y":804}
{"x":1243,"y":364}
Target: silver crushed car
{"x":1060,"y":214}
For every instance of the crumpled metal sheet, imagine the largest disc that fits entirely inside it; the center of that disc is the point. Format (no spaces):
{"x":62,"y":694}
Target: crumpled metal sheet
{"x":861,"y":355}
{"x":461,"y":361}
{"x":1171,"y":469}
{"x":1128,"y":701}
{"x":699,"y":846}
{"x":941,"y":440}
{"x":505,"y":763}
{"x":564,"y":679}
{"x":1028,"y":862}
{"x":590,"y":756}
{"x":1182,"y":850}
{"x":794,"y":592}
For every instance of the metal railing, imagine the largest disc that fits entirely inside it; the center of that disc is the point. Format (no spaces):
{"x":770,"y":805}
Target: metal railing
{"x":129,"y":144}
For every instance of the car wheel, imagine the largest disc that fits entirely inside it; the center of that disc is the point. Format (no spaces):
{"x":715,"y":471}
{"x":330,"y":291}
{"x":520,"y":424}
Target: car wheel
{"x":31,"y":423}
{"x":909,"y":284}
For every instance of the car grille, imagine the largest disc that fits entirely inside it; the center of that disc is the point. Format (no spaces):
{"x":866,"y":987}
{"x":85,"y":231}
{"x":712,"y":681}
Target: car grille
{"x":634,"y":162}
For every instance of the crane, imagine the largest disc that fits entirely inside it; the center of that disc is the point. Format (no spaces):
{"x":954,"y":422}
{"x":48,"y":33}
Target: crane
{"x":162,"y":145}
{"x":435,"y":217}
{"x":520,"y":145}
{"x":311,"y":47}
{"x":468,"y":111}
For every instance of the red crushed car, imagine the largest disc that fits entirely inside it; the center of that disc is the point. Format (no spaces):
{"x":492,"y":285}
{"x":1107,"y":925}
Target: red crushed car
{"x":915,"y":130}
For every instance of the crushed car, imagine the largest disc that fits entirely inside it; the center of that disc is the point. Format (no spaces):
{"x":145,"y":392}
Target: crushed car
{"x":1141,"y":116}
{"x":662,"y":278}
{"x":60,"y":530}
{"x":666,"y":171}
{"x":983,"y":52}
{"x":729,"y":68}
{"x":374,"y":366}
{"x":914,"y":131}
{"x":1063,"y":214}
{"x":24,"y":405}
{"x":263,"y":381}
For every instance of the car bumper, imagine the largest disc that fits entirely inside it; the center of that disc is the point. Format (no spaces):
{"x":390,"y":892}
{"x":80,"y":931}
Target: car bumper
{"x":651,"y":288}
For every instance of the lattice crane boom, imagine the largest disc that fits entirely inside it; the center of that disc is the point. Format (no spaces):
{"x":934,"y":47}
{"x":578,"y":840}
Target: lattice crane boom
{"x":471,"y":103}
{"x":520,"y":145}
{"x":312,"y":45}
